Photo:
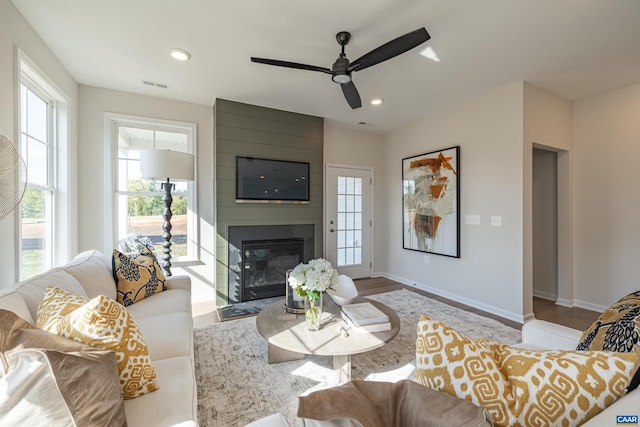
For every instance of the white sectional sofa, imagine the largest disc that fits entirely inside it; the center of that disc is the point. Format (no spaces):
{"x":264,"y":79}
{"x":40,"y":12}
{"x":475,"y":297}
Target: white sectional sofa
{"x":164,"y":319}
{"x":539,"y":334}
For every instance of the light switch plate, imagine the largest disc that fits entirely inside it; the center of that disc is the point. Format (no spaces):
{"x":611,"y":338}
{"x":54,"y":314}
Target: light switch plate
{"x":496,"y":221}
{"x":472,"y":219}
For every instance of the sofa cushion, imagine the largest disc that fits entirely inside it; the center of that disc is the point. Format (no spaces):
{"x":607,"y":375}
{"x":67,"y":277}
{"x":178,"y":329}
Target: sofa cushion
{"x":165,"y":335}
{"x":32,"y":290}
{"x":170,"y":301}
{"x":51,"y":380}
{"x":92,"y":269}
{"x":137,"y":276}
{"x":521,"y":387}
{"x":175,"y":402}
{"x":13,"y":301}
{"x":56,"y":303}
{"x":104,"y":323}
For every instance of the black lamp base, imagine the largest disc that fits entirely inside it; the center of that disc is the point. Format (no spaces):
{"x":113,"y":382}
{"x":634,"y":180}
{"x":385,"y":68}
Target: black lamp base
{"x":166,"y":227}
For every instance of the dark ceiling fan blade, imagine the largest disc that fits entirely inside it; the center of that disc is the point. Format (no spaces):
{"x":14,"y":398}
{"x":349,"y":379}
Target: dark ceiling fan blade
{"x":290,"y":65}
{"x":391,"y":49}
{"x":351,"y":94}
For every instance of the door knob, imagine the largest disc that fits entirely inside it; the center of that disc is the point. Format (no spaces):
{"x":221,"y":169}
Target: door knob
{"x":331,"y":230}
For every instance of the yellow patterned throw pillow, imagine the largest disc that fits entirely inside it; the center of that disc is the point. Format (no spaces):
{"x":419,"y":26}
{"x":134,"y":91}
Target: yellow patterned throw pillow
{"x":137,"y":276}
{"x":521,"y":387}
{"x":103,"y":323}
{"x":56,"y":303}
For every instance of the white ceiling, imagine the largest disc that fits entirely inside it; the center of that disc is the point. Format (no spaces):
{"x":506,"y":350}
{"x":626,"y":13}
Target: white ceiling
{"x":575,"y":48}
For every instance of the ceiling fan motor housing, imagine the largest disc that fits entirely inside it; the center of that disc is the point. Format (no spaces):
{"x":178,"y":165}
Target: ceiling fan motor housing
{"x":339,"y":70}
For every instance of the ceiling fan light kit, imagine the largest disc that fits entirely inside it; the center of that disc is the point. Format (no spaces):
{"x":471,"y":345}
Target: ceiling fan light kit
{"x":341,"y":69}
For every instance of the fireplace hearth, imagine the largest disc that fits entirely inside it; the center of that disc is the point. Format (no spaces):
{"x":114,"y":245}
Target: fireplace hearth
{"x":259,"y":257}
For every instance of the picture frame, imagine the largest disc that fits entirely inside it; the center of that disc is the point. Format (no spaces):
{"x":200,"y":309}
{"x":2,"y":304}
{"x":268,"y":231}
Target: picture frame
{"x":431,"y":202}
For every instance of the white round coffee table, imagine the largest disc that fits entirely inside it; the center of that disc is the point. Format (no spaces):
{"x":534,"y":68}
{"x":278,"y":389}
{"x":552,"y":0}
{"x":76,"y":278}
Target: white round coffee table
{"x":288,"y":337}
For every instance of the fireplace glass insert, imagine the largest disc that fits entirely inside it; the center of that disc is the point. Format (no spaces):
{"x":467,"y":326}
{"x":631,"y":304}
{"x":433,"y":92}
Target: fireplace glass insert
{"x":265,"y":264}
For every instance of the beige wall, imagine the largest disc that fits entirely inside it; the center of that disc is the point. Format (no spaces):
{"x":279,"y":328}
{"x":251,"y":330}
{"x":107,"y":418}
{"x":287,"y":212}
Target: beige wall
{"x":548,"y":125}
{"x":15,"y":33}
{"x":95,"y":213}
{"x":489,"y":273}
{"x":607,"y":200}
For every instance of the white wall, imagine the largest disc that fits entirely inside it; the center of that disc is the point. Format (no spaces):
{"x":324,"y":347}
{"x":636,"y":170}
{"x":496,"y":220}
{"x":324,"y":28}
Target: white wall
{"x":353,"y":148}
{"x":94,"y":102}
{"x":607,"y":199}
{"x":15,"y":32}
{"x":489,"y":273}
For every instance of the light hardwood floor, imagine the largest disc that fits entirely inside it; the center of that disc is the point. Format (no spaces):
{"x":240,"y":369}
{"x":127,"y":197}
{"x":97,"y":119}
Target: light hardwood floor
{"x":578,"y":318}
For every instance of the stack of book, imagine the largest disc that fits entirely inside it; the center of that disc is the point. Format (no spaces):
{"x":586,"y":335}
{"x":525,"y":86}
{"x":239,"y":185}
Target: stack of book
{"x":364,"y":317}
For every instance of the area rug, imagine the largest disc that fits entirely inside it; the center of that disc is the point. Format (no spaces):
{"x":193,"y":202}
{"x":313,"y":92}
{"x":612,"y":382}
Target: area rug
{"x":236,"y":385}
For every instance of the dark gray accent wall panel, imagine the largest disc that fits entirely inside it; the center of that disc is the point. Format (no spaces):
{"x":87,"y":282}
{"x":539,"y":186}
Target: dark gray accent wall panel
{"x":250,"y":130}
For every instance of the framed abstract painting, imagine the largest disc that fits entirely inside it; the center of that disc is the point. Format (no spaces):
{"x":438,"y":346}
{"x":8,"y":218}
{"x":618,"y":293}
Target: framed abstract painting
{"x":431,"y":202}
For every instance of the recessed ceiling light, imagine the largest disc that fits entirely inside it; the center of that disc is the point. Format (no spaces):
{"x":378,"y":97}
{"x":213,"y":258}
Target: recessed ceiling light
{"x":376,"y":101}
{"x":179,"y":54}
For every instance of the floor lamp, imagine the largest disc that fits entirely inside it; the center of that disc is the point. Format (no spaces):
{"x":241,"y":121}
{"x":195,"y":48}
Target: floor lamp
{"x":170,"y":165}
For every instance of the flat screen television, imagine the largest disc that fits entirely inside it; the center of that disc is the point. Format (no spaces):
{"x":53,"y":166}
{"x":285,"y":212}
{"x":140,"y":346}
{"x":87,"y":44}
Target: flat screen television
{"x":271,"y":181}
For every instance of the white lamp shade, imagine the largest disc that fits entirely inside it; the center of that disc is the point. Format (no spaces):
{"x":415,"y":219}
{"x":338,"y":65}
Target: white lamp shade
{"x":163,"y":164}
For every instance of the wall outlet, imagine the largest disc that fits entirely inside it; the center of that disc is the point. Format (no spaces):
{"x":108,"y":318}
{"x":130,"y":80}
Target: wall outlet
{"x":426,"y":259}
{"x":472,"y":219}
{"x":496,"y":221}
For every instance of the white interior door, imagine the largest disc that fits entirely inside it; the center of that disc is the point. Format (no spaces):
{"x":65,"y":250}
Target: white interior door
{"x":349,"y":220}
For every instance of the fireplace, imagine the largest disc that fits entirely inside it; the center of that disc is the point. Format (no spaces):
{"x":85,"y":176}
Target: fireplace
{"x":260,"y":255}
{"x":265,"y":264}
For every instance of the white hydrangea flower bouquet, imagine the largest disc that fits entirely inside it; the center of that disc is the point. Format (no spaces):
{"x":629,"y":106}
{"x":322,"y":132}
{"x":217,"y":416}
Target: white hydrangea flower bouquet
{"x":313,"y":278}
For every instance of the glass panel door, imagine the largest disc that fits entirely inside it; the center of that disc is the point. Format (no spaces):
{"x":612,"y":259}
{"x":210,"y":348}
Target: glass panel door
{"x":349,"y":220}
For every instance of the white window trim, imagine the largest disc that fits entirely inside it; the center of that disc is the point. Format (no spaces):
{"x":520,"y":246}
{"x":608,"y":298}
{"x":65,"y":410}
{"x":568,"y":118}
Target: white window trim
{"x":111,"y":123}
{"x":64,"y":215}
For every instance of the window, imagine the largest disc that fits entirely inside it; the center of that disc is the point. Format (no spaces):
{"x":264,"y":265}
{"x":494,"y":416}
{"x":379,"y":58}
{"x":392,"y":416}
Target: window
{"x":37,"y":207}
{"x":138,"y":203}
{"x":349,"y":225}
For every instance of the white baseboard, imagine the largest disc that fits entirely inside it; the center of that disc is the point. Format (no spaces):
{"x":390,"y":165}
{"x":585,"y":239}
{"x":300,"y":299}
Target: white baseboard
{"x":565,"y":302}
{"x":590,"y":306}
{"x":545,"y":295}
{"x":463,"y":300}
{"x":581,"y":304}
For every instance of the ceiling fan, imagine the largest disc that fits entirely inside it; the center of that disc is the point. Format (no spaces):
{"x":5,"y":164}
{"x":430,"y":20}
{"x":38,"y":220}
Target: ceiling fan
{"x":341,"y":69}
